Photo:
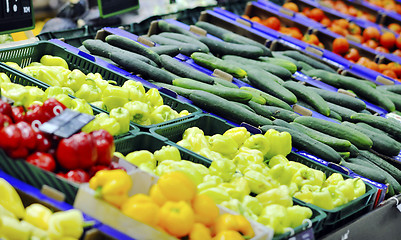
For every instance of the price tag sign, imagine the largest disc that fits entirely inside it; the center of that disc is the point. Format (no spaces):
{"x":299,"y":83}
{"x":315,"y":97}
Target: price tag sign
{"x":108,"y":8}
{"x":16,"y":16}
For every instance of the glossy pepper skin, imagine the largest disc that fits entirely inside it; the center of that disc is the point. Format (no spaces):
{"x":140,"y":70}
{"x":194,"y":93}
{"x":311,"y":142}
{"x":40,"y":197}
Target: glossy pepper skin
{"x":66,"y":224}
{"x":38,"y":215}
{"x":104,"y":143}
{"x":18,"y":114}
{"x":10,"y":199}
{"x":51,"y":106}
{"x":177,"y":218}
{"x":42,"y":160}
{"x":112,"y":185}
{"x":280,"y":143}
{"x":122,"y":116}
{"x":235,"y":223}
{"x":162,"y":113}
{"x":5,"y":120}
{"x":5,"y":108}
{"x":77,"y":152}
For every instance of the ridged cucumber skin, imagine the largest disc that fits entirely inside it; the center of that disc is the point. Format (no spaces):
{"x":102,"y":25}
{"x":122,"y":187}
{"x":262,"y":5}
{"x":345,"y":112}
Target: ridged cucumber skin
{"x":337,"y":144}
{"x":304,"y":142}
{"x":212,"y":62}
{"x":179,"y":68}
{"x":381,"y":143}
{"x":226,"y":109}
{"x":270,"y":100}
{"x":309,"y":96}
{"x":133,"y":46}
{"x":357,"y":138}
{"x":365,"y":171}
{"x":341,"y":99}
{"x":231,"y":94}
{"x":392,"y":128}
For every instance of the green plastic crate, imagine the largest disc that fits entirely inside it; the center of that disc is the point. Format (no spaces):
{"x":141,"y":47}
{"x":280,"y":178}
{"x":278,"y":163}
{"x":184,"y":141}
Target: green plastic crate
{"x":152,"y":143}
{"x":335,"y":217}
{"x":24,"y":55}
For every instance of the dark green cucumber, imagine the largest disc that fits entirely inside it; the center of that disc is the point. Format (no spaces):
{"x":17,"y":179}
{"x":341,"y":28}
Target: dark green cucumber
{"x":381,"y":142}
{"x":224,"y":92}
{"x":276,"y":112}
{"x":345,"y":113}
{"x":357,"y":138}
{"x":393,"y":171}
{"x":344,"y":155}
{"x":354,"y":151}
{"x":170,"y":50}
{"x":268,"y":85}
{"x":256,"y":97}
{"x":304,"y":142}
{"x":168,"y":27}
{"x":390,"y":127}
{"x":185,"y":39}
{"x":279,"y":71}
{"x":324,"y":76}
{"x":333,"y":115}
{"x":369,"y":173}
{"x":336,"y":143}
{"x":282,"y":123}
{"x":226,"y":48}
{"x":179,"y":90}
{"x":341,"y":99}
{"x":281,"y":56}
{"x":366,"y":92}
{"x":396,"y":88}
{"x":184,"y":48}
{"x":211,"y":62}
{"x":133,"y":46}
{"x":301,"y":57}
{"x":223,"y":82}
{"x":394,"y":97}
{"x":103,"y":49}
{"x":290,"y":66}
{"x":390,"y":140}
{"x":147,"y":71}
{"x":365,"y":111}
{"x":270,"y":100}
{"x":84,"y":49}
{"x":389,"y":179}
{"x":229,"y":36}
{"x":244,"y":106}
{"x":309,"y":96}
{"x":226,"y":109}
{"x":304,"y":65}
{"x":261,"y":110}
{"x":183,"y":70}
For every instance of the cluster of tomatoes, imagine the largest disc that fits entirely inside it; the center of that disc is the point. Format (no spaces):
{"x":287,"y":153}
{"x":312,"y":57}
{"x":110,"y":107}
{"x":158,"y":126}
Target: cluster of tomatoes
{"x":342,"y":7}
{"x":390,"y":5}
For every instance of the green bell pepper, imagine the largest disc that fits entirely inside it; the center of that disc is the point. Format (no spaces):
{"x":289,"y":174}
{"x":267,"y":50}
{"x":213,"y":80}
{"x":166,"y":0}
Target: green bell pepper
{"x":280,"y":143}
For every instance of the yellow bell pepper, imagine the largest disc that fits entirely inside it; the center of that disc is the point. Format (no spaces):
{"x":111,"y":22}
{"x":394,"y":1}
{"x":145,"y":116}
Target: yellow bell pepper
{"x":38,"y":215}
{"x":280,"y":143}
{"x":177,"y":218}
{"x":153,"y":98}
{"x":259,"y":142}
{"x":10,"y":228}
{"x":239,"y":134}
{"x":112,"y":185}
{"x":141,"y":208}
{"x":235,"y":223}
{"x":66,"y":224}
{"x":167,"y":153}
{"x":10,"y":199}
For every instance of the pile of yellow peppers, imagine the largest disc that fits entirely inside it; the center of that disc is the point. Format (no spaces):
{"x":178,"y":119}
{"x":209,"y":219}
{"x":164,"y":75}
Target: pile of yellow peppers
{"x":244,"y":164}
{"x":173,"y":205}
{"x":129,"y":102}
{"x":36,"y":222}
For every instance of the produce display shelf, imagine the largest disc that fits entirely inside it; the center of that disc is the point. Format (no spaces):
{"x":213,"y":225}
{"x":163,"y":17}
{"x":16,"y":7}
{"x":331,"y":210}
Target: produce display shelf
{"x":31,"y":195}
{"x":335,"y":217}
{"x":24,"y":55}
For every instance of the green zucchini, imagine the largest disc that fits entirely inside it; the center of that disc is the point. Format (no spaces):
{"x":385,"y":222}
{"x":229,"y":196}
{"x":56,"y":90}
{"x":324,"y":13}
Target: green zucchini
{"x":290,"y":66}
{"x":357,"y":138}
{"x":133,"y":46}
{"x":229,"y":36}
{"x":183,"y":70}
{"x":390,"y":127}
{"x":226,"y":109}
{"x":301,"y":57}
{"x":212,"y":62}
{"x":147,"y":71}
{"x":309,"y":96}
{"x":226,"y":48}
{"x":381,"y":143}
{"x":270,"y":100}
{"x":304,"y":142}
{"x":278,"y":71}
{"x":170,"y":50}
{"x":336,"y":143}
{"x":369,"y":173}
{"x":341,"y":99}
{"x":185,"y":39}
{"x":231,"y":94}
{"x":276,"y":112}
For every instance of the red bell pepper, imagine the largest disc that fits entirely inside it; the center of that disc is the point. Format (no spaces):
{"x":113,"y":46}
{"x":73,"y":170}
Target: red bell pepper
{"x":5,"y":120}
{"x":49,"y":107}
{"x":42,"y":160}
{"x":42,"y":142}
{"x":27,"y":134}
{"x":104,"y":143}
{"x":35,"y":112}
{"x":5,"y":108}
{"x":10,"y":137}
{"x":77,"y":175}
{"x":20,"y":152}
{"x":18,"y":114}
{"x":77,"y":152}
{"x":97,"y":168}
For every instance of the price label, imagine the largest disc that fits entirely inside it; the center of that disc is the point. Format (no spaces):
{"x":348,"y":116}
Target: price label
{"x":16,"y":15}
{"x":108,"y":8}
